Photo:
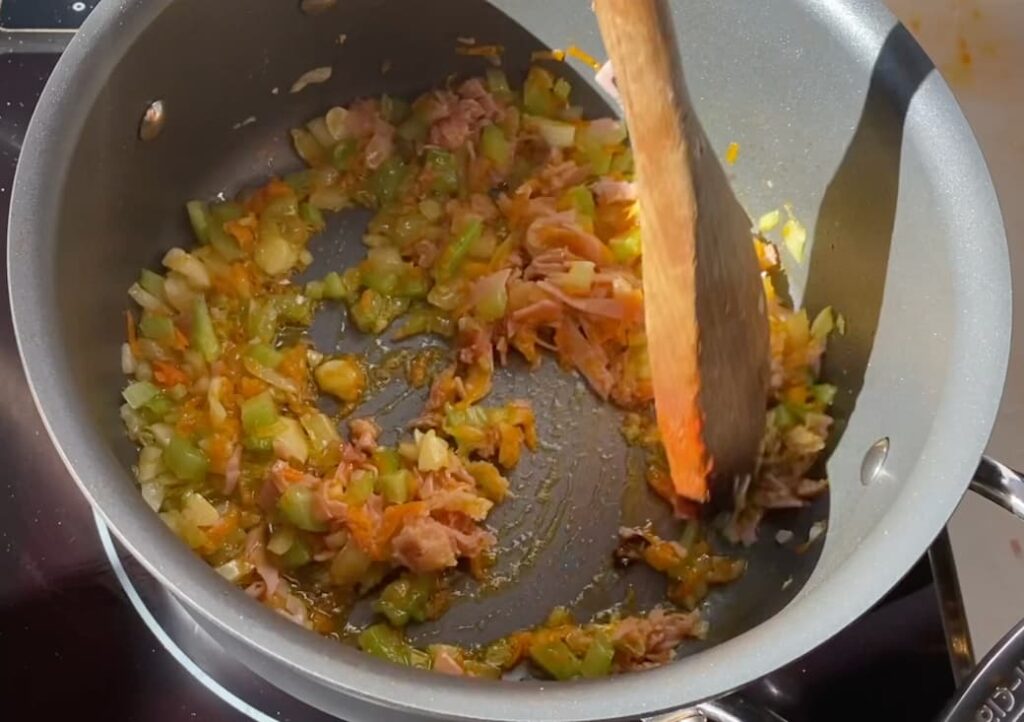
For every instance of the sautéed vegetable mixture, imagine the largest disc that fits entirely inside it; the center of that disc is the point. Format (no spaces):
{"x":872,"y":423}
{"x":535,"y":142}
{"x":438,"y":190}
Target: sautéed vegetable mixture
{"x":504,"y":222}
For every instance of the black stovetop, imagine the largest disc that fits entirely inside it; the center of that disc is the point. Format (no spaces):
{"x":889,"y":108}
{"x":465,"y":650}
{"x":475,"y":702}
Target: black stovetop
{"x":82,"y":637}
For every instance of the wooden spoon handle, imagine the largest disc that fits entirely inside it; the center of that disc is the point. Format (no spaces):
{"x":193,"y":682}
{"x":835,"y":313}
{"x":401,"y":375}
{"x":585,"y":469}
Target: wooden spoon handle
{"x":639,"y":39}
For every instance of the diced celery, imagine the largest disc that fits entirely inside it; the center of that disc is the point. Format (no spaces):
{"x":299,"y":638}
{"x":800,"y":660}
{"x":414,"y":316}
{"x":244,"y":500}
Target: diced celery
{"x":204,"y":339}
{"x":393,"y":110}
{"x":152,"y":283}
{"x":225,"y":244}
{"x":382,"y":641}
{"x":334,"y":289}
{"x":139,"y":393}
{"x":824,"y":393}
{"x":622,"y":162}
{"x":298,"y":555}
{"x":406,"y":599}
{"x":264,"y":354}
{"x":344,"y":153}
{"x":493,"y":305}
{"x":538,"y":96}
{"x":580,"y":199}
{"x":456,"y":251}
{"x":443,"y":170}
{"x":497,"y":82}
{"x":259,"y":412}
{"x":315,"y":290}
{"x":360,"y":486}
{"x":562,"y":89}
{"x":281,"y":540}
{"x":555,"y":133}
{"x":597,"y":662}
{"x":556,"y":659}
{"x":226,"y":211}
{"x":261,"y":320}
{"x":394,"y":486}
{"x":626,"y":248}
{"x":386,"y":460}
{"x":299,"y":181}
{"x":488,"y":479}
{"x":158,"y":407}
{"x":156,"y":327}
{"x":199,"y":217}
{"x":386,"y":180}
{"x":185,"y":460}
{"x":297,"y":503}
{"x":312,"y":215}
{"x":290,"y":440}
{"x":349,"y":565}
{"x":413,"y":129}
{"x":496,"y":147}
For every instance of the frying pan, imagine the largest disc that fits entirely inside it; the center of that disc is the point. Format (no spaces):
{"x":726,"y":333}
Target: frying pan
{"x":837,"y":111}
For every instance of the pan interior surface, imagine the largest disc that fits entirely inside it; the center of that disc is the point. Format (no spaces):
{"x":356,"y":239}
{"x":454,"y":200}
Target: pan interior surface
{"x":837,"y":113}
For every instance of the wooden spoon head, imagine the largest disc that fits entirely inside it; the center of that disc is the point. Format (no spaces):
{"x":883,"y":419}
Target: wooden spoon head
{"x":704,"y":301}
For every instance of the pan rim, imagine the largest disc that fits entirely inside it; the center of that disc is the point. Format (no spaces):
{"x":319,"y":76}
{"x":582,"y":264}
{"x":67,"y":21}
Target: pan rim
{"x":965,"y":415}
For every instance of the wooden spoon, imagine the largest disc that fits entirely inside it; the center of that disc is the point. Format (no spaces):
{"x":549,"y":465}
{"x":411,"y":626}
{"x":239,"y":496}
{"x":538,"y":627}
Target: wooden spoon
{"x":707,"y":330}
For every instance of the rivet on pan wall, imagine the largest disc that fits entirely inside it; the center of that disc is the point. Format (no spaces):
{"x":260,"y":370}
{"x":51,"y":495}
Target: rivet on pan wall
{"x":152,"y":120}
{"x":874,"y":460}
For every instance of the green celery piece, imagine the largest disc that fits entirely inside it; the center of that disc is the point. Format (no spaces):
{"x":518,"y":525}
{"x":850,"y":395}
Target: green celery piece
{"x":556,"y":659}
{"x":258,"y":413}
{"x":457,"y":251}
{"x":204,"y":339}
{"x":156,"y":327}
{"x":185,"y":460}
{"x":199,"y":217}
{"x":139,"y":393}
{"x":297,"y":504}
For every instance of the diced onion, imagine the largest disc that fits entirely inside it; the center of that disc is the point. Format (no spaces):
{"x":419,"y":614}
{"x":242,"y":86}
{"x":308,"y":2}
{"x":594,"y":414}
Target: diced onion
{"x":554,"y":132}
{"x":768,"y":221}
{"x":337,"y":123}
{"x":196,"y":509}
{"x":147,"y":300}
{"x":794,"y":237}
{"x":153,"y":494}
{"x":127,"y":360}
{"x":433,"y":451}
{"x":188,"y":266}
{"x":310,"y":77}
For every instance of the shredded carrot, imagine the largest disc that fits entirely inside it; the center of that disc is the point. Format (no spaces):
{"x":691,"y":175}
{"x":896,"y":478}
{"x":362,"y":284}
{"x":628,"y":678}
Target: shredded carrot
{"x":554,"y":54}
{"x":278,"y":189}
{"x":586,"y":57}
{"x":292,"y":475}
{"x":732,"y":153}
{"x":180,"y":340}
{"x":293,"y":364}
{"x":133,"y":339}
{"x":395,"y":517}
{"x":228,"y":523}
{"x":492,"y":51}
{"x":242,"y":231}
{"x":250,"y":387}
{"x":167,"y":374}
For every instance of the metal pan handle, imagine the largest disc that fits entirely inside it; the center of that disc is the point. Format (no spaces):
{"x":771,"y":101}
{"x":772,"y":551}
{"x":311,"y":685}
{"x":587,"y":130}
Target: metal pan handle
{"x":995,"y":690}
{"x":734,"y":708}
{"x":1001,"y":485}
